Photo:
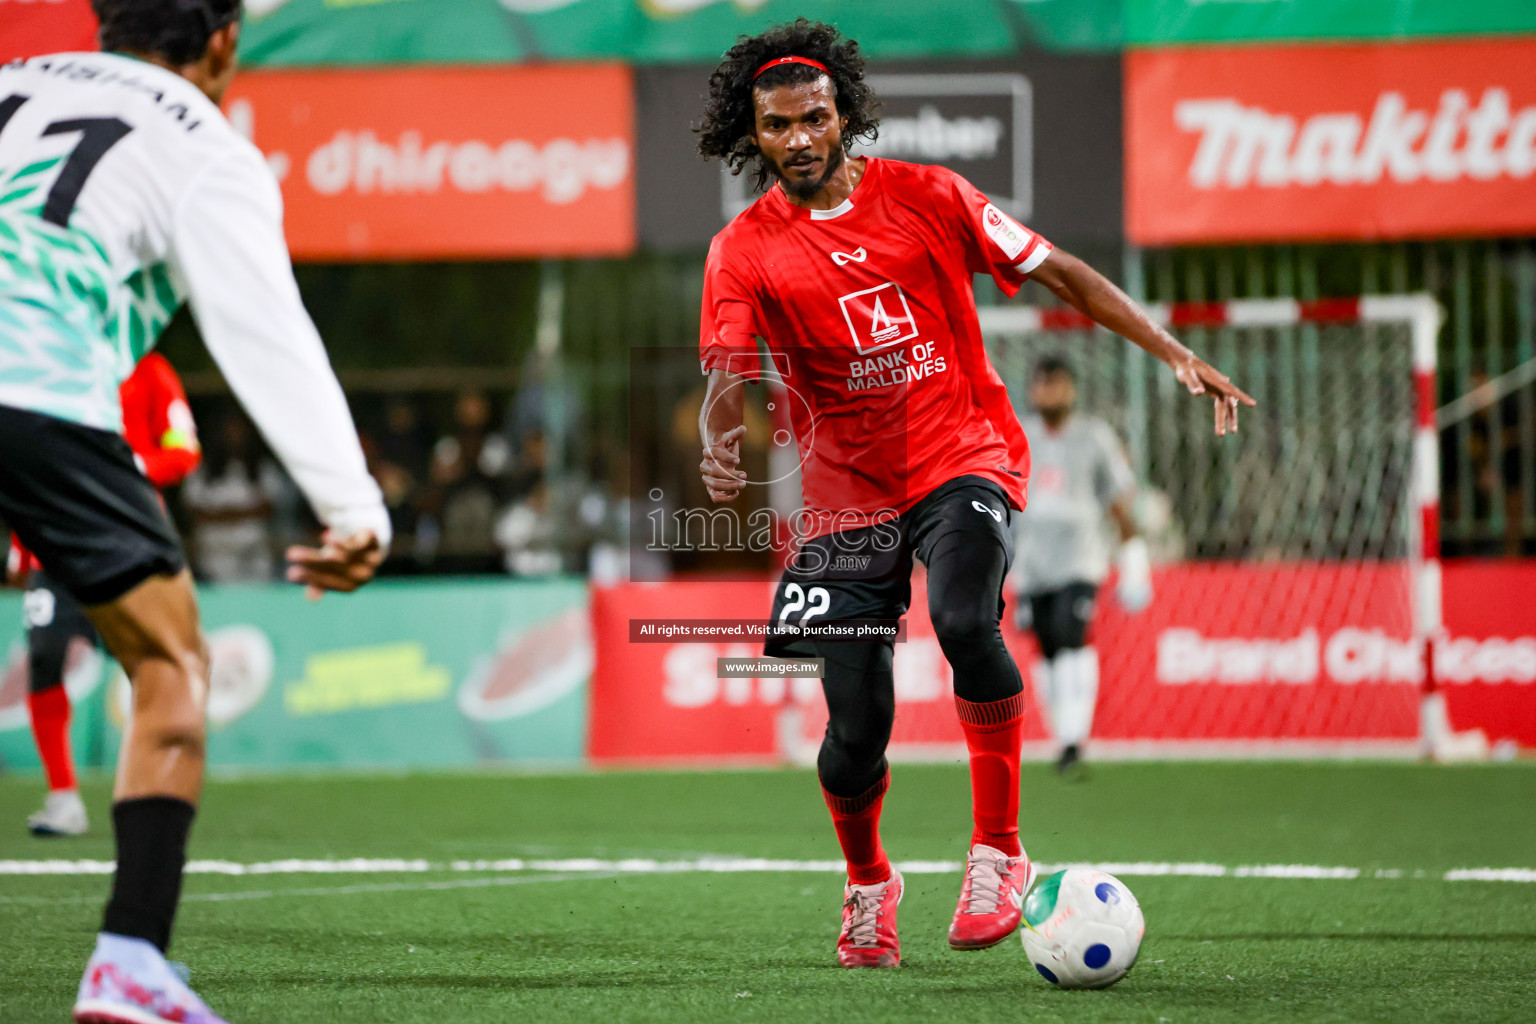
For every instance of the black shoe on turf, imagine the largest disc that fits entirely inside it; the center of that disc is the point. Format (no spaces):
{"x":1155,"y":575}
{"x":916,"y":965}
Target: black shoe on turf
{"x":1070,"y":760}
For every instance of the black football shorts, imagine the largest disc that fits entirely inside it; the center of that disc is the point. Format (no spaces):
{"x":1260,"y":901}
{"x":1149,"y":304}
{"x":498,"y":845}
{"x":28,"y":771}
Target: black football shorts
{"x":1061,"y":617}
{"x":866,"y":574}
{"x":79,"y":503}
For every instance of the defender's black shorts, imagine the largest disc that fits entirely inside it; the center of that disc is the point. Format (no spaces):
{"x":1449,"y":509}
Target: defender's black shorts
{"x":1060,"y":618}
{"x":77,"y":501}
{"x":867,"y":573}
{"x":54,"y":622}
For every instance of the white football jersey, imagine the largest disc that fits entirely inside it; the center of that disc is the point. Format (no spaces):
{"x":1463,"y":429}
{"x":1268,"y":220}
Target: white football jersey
{"x":1074,"y":475}
{"x":123,"y":193}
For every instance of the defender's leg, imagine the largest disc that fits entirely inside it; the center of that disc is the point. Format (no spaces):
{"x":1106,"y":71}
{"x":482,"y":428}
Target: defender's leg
{"x":961,"y":533}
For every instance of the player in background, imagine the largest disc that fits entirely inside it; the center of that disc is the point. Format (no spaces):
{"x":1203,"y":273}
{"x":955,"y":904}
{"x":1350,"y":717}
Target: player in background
{"x":1078,"y":475}
{"x":158,"y":426}
{"x":858,"y":273}
{"x":125,"y":193}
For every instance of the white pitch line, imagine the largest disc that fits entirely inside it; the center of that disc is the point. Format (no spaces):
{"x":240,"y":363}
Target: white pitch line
{"x":333,"y":890}
{"x":734,"y":865}
{"x":1492,"y":875}
{"x":352,"y":890}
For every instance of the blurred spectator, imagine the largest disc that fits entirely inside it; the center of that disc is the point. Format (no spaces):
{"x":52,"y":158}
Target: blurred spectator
{"x":529,"y":534}
{"x":398,"y":457}
{"x":546,"y":404}
{"x":405,"y":442}
{"x":230,"y":499}
{"x":530,"y":466}
{"x":466,"y":473}
{"x":1492,"y":458}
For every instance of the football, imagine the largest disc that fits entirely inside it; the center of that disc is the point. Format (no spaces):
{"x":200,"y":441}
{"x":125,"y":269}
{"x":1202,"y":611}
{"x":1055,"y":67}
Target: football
{"x":1082,"y":928}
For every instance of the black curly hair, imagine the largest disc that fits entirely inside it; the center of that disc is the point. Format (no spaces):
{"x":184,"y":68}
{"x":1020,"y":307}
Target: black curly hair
{"x":729,"y":120}
{"x":177,"y":30}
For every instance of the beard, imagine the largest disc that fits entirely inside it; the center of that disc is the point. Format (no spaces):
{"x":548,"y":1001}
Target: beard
{"x":804,"y":189}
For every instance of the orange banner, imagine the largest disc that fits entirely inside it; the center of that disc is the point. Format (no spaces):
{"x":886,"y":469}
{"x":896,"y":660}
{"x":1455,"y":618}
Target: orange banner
{"x":442,"y":163}
{"x":1270,"y":143}
{"x":32,"y":27}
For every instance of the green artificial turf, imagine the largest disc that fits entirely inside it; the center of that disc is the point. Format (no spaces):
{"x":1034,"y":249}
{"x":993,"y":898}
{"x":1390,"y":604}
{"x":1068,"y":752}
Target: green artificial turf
{"x":1397,"y":943}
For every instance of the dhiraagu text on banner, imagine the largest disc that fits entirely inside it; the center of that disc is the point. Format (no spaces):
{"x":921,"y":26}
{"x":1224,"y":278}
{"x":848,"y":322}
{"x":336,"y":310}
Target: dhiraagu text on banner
{"x":400,"y":675}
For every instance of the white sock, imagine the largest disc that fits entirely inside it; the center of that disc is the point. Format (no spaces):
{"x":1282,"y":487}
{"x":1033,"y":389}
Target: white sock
{"x":1076,"y":675}
{"x":1045,"y":692}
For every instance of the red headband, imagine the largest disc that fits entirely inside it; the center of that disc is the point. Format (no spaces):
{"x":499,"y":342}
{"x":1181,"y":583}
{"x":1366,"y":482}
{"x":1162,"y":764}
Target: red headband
{"x":818,"y":65}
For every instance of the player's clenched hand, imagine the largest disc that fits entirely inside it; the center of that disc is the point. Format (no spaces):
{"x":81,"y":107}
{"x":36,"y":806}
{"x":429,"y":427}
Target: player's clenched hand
{"x":721,"y":467}
{"x":1201,"y":378}
{"x":339,"y":563}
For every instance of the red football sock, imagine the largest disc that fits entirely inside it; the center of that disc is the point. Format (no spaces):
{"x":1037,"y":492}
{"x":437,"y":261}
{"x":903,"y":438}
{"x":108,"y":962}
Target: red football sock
{"x":994,"y":734}
{"x":857,"y":820}
{"x":50,"y":728}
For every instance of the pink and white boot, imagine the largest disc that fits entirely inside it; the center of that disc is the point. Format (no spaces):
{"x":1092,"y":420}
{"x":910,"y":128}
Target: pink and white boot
{"x":128,"y":981}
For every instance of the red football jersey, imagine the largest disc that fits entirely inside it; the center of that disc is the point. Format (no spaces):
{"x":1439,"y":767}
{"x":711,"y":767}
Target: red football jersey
{"x":157,"y":423}
{"x":870,"y":315}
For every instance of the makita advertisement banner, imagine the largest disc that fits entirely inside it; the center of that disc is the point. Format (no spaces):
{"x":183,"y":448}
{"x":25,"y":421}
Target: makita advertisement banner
{"x":1304,"y":659}
{"x":1277,"y":143}
{"x":1037,"y":134}
{"x":443,"y":163}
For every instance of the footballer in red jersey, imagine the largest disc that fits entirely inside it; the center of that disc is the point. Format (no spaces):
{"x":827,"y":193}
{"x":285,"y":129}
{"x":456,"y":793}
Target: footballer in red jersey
{"x":157,"y":424}
{"x":857,"y":273}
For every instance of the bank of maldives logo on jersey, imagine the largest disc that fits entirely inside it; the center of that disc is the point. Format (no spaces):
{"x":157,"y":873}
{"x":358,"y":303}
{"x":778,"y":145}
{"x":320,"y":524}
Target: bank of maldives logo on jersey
{"x":878,"y":317}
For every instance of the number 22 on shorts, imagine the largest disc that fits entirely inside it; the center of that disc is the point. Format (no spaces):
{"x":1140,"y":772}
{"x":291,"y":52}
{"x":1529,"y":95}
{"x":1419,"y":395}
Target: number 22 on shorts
{"x":819,"y":601}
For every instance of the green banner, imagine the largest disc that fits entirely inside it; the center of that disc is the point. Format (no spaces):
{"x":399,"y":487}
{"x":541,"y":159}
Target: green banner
{"x":1163,"y":22}
{"x":310,"y":32}
{"x":399,"y":675}
{"x":330,"y":32}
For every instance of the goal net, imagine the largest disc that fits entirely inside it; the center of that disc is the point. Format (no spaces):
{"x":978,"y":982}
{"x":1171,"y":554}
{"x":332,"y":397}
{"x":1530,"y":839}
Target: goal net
{"x":1294,"y":600}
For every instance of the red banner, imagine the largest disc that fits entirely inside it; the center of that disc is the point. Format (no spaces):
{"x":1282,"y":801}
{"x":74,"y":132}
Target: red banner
{"x":448,"y":162}
{"x":1487,"y":667}
{"x":1319,"y":655}
{"x":32,"y":27}
{"x":1391,"y":140}
{"x":665,"y":702}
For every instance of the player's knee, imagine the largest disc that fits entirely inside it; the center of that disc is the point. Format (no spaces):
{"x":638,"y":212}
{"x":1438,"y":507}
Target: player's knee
{"x":858,"y":745}
{"x":961,"y":625}
{"x":849,"y":770}
{"x":180,"y":646}
{"x":184,"y":728}
{"x":171,"y":702}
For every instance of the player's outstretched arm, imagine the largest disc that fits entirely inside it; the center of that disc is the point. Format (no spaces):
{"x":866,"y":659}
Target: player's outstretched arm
{"x":1095,"y":296}
{"x":721,"y":430}
{"x":229,"y":249}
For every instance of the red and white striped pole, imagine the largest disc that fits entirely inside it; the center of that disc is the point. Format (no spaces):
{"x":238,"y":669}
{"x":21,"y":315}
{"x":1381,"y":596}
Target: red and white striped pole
{"x":1435,"y":732}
